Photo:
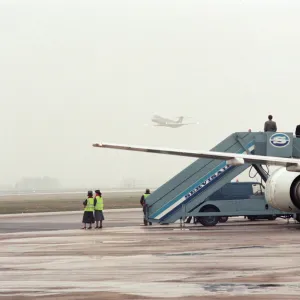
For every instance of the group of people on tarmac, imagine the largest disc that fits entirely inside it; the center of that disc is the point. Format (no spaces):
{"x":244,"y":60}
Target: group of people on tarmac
{"x":93,"y":210}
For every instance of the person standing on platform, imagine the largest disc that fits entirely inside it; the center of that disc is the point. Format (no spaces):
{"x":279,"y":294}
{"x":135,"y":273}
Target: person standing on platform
{"x":99,"y":216}
{"x":89,"y":206}
{"x":297,"y":131}
{"x":270,"y":125}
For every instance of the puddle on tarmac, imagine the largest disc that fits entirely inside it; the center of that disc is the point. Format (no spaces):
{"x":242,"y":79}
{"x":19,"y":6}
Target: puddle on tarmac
{"x":183,"y":254}
{"x":231,"y":287}
{"x":242,"y":247}
{"x":249,"y":247}
{"x":266,"y":285}
{"x":195,"y":253}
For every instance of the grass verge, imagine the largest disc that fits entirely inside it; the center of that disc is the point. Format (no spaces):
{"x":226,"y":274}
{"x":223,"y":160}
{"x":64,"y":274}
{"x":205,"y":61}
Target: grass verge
{"x":54,"y":203}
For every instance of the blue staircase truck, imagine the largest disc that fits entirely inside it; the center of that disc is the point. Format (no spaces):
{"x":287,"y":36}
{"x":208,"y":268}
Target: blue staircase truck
{"x":205,"y":186}
{"x":243,"y":198}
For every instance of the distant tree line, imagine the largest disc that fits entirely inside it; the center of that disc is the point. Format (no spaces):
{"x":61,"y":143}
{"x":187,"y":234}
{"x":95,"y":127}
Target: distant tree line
{"x":128,"y":183}
{"x":38,"y":184}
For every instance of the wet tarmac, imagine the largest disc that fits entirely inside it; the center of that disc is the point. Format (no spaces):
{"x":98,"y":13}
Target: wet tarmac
{"x":235,"y":260}
{"x":65,"y":220}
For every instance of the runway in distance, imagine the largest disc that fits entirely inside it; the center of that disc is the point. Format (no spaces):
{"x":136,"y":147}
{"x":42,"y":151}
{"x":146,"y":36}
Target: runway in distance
{"x":282,"y":189}
{"x":165,"y":122}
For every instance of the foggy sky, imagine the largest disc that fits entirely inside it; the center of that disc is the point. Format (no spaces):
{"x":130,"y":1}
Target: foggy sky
{"x":74,"y":73}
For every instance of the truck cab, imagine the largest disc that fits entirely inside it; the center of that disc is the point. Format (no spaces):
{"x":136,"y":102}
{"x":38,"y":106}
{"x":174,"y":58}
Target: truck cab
{"x":238,"y":190}
{"x":237,"y":199}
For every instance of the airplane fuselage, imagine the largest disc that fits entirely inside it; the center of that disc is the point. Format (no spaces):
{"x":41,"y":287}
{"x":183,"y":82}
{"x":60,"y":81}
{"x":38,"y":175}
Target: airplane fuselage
{"x":167,"y":125}
{"x":159,"y":121}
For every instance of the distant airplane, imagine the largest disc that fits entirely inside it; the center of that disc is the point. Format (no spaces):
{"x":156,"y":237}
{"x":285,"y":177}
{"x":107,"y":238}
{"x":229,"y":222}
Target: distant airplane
{"x":161,"y":121}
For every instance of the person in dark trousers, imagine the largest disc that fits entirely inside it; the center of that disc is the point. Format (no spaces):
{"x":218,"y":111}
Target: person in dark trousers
{"x":99,"y":217}
{"x":143,"y":203}
{"x":270,"y":125}
{"x":297,"y":131}
{"x":89,"y":206}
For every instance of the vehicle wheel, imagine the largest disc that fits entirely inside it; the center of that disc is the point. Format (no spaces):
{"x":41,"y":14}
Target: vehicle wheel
{"x":223,"y":219}
{"x":298,"y":218}
{"x":272,"y":218}
{"x":251,"y":218}
{"x":211,"y":220}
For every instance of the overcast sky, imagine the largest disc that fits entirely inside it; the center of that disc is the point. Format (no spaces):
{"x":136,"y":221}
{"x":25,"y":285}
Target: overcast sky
{"x":74,"y":73}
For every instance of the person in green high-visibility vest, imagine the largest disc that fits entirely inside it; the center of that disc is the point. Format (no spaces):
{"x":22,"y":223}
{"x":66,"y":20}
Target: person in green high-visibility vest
{"x":89,"y":207}
{"x":99,"y":216}
{"x":144,"y":204}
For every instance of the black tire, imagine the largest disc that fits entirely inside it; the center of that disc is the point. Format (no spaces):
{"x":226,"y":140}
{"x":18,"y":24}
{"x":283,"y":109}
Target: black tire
{"x":211,"y":220}
{"x":252,"y":218}
{"x":298,"y":218}
{"x":272,"y":218}
{"x":223,"y":219}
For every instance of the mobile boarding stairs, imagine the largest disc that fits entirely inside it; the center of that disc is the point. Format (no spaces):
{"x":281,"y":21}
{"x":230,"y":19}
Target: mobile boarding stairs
{"x":188,"y":190}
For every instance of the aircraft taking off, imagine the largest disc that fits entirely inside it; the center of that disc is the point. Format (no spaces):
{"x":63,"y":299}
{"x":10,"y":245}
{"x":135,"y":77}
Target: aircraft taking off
{"x":282,"y":187}
{"x":161,"y":121}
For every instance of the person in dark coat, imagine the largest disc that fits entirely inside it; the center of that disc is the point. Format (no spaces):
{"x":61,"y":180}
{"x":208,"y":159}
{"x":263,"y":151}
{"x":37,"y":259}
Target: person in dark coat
{"x":297,"y":131}
{"x":270,"y":125}
{"x":143,"y":203}
{"x":89,"y":207}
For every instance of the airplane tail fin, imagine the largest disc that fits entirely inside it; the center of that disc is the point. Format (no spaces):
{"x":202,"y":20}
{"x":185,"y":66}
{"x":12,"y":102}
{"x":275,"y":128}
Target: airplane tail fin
{"x":180,"y":119}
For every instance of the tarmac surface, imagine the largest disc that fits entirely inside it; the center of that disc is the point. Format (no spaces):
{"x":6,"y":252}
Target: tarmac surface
{"x":66,"y":220}
{"x":236,"y":260}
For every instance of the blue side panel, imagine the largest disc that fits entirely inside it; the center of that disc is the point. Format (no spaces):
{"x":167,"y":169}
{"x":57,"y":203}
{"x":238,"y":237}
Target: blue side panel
{"x":296,"y":147}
